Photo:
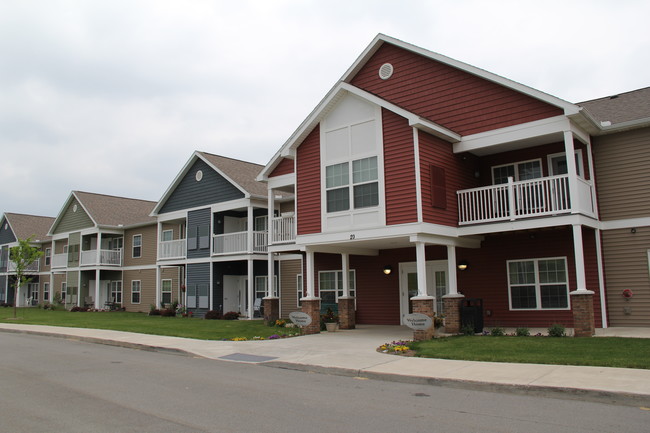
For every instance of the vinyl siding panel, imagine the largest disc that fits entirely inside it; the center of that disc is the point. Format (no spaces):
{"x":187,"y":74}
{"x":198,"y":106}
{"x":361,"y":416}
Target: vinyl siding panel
{"x":462,"y":102}
{"x":289,"y":269}
{"x":71,"y":220}
{"x":308,"y":193}
{"x":285,"y":166}
{"x":399,"y":169}
{"x":195,"y":220}
{"x":147,"y":279}
{"x":3,"y":288}
{"x":198,"y":274}
{"x":621,"y":163}
{"x":459,"y":174}
{"x":6,"y":234}
{"x":56,"y":287}
{"x":190,"y":193}
{"x":148,"y":250}
{"x":625,"y":257}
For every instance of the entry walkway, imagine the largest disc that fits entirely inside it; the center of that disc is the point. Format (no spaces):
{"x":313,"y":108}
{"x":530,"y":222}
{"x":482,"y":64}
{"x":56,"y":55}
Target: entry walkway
{"x":353,"y":353}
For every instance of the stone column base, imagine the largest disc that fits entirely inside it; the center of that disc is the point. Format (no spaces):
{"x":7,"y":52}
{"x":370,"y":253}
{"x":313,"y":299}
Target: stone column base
{"x":347,"y":319}
{"x":582,"y":306}
{"x":423,"y":305}
{"x":312,"y":307}
{"x":271,"y":310}
{"x":452,"y":312}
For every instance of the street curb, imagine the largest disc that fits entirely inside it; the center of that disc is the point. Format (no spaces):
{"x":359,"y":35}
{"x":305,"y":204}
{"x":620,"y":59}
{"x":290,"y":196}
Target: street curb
{"x":596,"y":396}
{"x":106,"y":342}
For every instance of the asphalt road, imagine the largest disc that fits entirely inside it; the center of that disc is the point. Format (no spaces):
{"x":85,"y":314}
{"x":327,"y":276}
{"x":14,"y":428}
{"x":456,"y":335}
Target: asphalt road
{"x":55,"y":385}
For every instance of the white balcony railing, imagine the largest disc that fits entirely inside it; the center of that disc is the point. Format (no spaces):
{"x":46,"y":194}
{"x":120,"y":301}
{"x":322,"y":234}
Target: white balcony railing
{"x":284,"y":230}
{"x":106,"y":258}
{"x":233,"y":243}
{"x":525,"y":199}
{"x":172,"y":249}
{"x":59,"y":260}
{"x":34,"y":267}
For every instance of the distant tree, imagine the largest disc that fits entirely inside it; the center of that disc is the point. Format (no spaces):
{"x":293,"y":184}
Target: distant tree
{"x":23,"y":256}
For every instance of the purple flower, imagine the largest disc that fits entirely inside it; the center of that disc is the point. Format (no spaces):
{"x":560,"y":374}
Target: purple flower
{"x":274,"y":337}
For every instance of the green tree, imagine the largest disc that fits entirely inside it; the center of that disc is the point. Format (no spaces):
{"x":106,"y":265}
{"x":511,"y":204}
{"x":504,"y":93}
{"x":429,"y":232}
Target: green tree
{"x":23,"y":256}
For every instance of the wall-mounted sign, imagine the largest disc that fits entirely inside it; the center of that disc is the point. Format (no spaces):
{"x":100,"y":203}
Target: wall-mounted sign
{"x":299,"y":318}
{"x":418,"y":322}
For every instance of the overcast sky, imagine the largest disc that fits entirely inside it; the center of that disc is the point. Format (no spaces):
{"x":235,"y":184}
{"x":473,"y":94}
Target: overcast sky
{"x":114,"y":96}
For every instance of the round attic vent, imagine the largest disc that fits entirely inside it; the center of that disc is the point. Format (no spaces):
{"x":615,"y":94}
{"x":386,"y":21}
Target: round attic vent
{"x":199,"y":175}
{"x":74,"y":208}
{"x":6,"y":226}
{"x":385,"y":71}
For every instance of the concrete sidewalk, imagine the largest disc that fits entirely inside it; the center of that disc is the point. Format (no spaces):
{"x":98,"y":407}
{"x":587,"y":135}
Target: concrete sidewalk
{"x":353,"y":353}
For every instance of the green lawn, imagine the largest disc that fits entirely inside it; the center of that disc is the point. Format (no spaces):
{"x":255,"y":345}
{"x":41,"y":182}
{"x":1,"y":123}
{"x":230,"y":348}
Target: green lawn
{"x":142,"y":323}
{"x":602,"y":352}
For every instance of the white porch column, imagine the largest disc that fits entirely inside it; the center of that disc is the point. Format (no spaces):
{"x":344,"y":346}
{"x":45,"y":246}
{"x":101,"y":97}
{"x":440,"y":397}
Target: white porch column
{"x":97,"y":287}
{"x":271,"y":208}
{"x":269,"y":240}
{"x":451,"y":270}
{"x":249,"y":230}
{"x":581,"y":280}
{"x":79,"y":287}
{"x":270,"y":272}
{"x":309,"y":278}
{"x":421,"y":267}
{"x":158,"y":238}
{"x":251,"y":283}
{"x":572,"y":171}
{"x":158,"y":286}
{"x":345,"y":266}
{"x":601,"y":279}
{"x":99,"y":249}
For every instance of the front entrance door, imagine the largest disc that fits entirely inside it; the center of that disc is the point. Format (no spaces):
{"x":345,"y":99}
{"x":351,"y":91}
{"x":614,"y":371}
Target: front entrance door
{"x":408,"y":285}
{"x":234,"y":293}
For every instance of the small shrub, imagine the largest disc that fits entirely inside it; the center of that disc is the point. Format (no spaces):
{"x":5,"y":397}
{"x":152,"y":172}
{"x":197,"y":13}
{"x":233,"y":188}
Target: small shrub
{"x":78,"y":309}
{"x":231,"y":315}
{"x":556,"y":330}
{"x":168,"y":312}
{"x":213,"y":315}
{"x":154,"y":312}
{"x":522,"y":332}
{"x":467,"y":329}
{"x":497,"y":331}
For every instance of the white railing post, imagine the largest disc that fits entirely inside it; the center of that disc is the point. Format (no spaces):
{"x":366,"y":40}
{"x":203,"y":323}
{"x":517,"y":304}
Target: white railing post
{"x":511,"y":198}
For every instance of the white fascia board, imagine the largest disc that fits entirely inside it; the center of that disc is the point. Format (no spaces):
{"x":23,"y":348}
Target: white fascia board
{"x":627,"y":223}
{"x":444,"y":240}
{"x":342,"y":249}
{"x":568,"y":107}
{"x":229,"y":205}
{"x":105,"y":230}
{"x":529,"y":224}
{"x":132,"y":268}
{"x":281,"y":248}
{"x":580,"y":133}
{"x":239,"y":257}
{"x":623,"y":126}
{"x":284,"y":257}
{"x":170,"y":216}
{"x":509,"y":134}
{"x":280,"y":181}
{"x":174,"y":184}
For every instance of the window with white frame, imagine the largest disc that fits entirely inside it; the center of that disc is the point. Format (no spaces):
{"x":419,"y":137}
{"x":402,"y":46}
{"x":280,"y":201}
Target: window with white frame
{"x":166,"y":291}
{"x":116,"y":291}
{"x":32,"y":292}
{"x":330,"y":285}
{"x":362,"y":193}
{"x":48,"y":256}
{"x":136,"y":286}
{"x":538,"y":284}
{"x":46,"y":292}
{"x":557,"y":163}
{"x":519,"y":171}
{"x":64,"y":291}
{"x":167,"y":235}
{"x":137,"y":246}
{"x":261,"y":286}
{"x":299,"y":288}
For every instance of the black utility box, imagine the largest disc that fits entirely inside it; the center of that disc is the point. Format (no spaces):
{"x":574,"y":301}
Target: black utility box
{"x":471,"y":314}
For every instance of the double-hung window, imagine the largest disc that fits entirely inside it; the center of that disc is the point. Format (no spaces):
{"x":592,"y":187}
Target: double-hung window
{"x":525,"y":170}
{"x":136,"y":289}
{"x":48,"y":256}
{"x":330,"y":286}
{"x":538,"y":284}
{"x":166,"y":291}
{"x":261,"y":282}
{"x":137,"y":246}
{"x":362,"y":192}
{"x":46,"y":292}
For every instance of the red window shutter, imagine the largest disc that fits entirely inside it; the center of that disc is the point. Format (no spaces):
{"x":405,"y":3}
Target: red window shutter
{"x":438,"y":187}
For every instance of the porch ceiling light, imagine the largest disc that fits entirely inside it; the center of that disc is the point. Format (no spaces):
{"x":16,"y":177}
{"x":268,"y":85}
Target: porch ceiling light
{"x":388,"y":269}
{"x":462,"y":265}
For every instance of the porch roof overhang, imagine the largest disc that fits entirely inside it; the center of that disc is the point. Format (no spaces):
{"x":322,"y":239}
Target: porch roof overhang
{"x":529,"y":224}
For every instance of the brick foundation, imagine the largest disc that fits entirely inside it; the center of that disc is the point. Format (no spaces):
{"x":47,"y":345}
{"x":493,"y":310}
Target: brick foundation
{"x":271,"y":310}
{"x":423,"y":305}
{"x":312,"y":307}
{"x":347,"y":319}
{"x":452,"y":313}
{"x":582,"y":306}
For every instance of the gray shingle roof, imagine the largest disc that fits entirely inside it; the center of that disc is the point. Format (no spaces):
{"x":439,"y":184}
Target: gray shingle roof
{"x":107,"y":210}
{"x":621,"y":108}
{"x":25,"y":226}
{"x":241,"y":172}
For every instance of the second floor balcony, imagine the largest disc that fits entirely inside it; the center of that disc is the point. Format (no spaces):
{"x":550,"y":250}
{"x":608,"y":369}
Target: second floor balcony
{"x":175,"y":249}
{"x":104,"y":258}
{"x":34,"y":267}
{"x":284,"y":229}
{"x":547,"y":196}
{"x":237,"y":243}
